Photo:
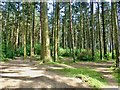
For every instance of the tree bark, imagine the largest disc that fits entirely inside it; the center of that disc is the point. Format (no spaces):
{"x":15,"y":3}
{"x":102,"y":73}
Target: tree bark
{"x":111,"y":32}
{"x":92,"y":31}
{"x":45,"y":45}
{"x":116,"y":33}
{"x":71,"y":32}
{"x":104,"y":31}
{"x":32,"y":31}
{"x":56,"y":32}
{"x":99,"y":28}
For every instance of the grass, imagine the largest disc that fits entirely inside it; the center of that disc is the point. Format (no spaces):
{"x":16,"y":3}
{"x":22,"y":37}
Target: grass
{"x":90,"y":77}
{"x":116,"y":74}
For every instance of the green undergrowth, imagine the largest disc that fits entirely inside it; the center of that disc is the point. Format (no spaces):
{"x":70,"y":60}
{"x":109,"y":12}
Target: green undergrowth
{"x":116,"y":74}
{"x":90,"y":77}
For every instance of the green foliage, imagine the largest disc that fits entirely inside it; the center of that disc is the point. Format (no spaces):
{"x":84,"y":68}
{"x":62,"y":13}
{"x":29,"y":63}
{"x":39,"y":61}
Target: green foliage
{"x":9,"y":53}
{"x":94,"y":79}
{"x":28,"y":50}
{"x":64,"y":52}
{"x":61,"y":51}
{"x":37,"y":48}
{"x":20,"y":51}
{"x":85,"y":55}
{"x":2,"y":57}
{"x":108,"y":56}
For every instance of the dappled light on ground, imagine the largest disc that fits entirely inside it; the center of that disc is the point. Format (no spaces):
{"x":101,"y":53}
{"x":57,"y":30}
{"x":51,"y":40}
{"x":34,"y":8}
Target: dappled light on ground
{"x":16,"y":76}
{"x":20,"y":74}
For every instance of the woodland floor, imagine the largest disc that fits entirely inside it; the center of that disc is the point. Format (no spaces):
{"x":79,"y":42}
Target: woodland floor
{"x":19,"y":74}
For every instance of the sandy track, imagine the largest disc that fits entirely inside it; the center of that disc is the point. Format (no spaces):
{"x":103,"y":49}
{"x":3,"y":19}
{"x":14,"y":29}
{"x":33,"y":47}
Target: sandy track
{"x":17,"y":74}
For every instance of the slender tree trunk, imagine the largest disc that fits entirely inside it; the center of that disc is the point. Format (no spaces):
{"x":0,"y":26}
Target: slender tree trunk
{"x":114,"y":6}
{"x":18,"y":28}
{"x":71,"y":32}
{"x":112,"y":27}
{"x":56,"y":32}
{"x":80,"y":34}
{"x":104,"y":32}
{"x":24,"y":33}
{"x":99,"y":27}
{"x":53,"y":28}
{"x":84,"y":31}
{"x":52,"y":40}
{"x":63,"y":33}
{"x":32,"y":31}
{"x":92,"y":31}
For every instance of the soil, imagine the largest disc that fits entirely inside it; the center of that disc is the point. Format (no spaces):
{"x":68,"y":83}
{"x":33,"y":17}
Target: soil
{"x":20,"y":74}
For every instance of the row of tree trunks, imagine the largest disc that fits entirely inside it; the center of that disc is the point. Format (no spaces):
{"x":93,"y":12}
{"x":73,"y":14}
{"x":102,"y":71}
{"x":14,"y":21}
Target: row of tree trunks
{"x":75,"y":33}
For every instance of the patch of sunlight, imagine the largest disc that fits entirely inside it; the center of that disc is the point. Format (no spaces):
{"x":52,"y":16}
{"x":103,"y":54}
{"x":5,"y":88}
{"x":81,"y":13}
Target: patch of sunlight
{"x":9,"y":83}
{"x":65,"y":66}
{"x":52,"y":67}
{"x":11,"y":75}
{"x":23,"y":73}
{"x":27,"y":81}
{"x":1,"y":62}
{"x":102,"y":70}
{"x":108,"y":76}
{"x":105,"y":71}
{"x":49,"y":86}
{"x":32,"y":73}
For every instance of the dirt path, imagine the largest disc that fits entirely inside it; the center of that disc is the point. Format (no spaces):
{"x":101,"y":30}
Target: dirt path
{"x":18,"y":74}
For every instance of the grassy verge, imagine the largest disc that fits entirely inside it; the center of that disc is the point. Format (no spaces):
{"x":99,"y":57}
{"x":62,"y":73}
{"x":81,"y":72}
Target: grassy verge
{"x":116,"y":74}
{"x":90,"y":77}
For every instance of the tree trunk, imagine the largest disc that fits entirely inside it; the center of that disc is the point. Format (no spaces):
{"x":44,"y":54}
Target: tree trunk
{"x":63,"y":33}
{"x":114,"y":6}
{"x":111,"y":32}
{"x":99,"y":28}
{"x":32,"y":32}
{"x":92,"y":31}
{"x":84,"y":31}
{"x":45,"y":45}
{"x":104,"y":32}
{"x":71,"y":32}
{"x":24,"y":33}
{"x":56,"y":32}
